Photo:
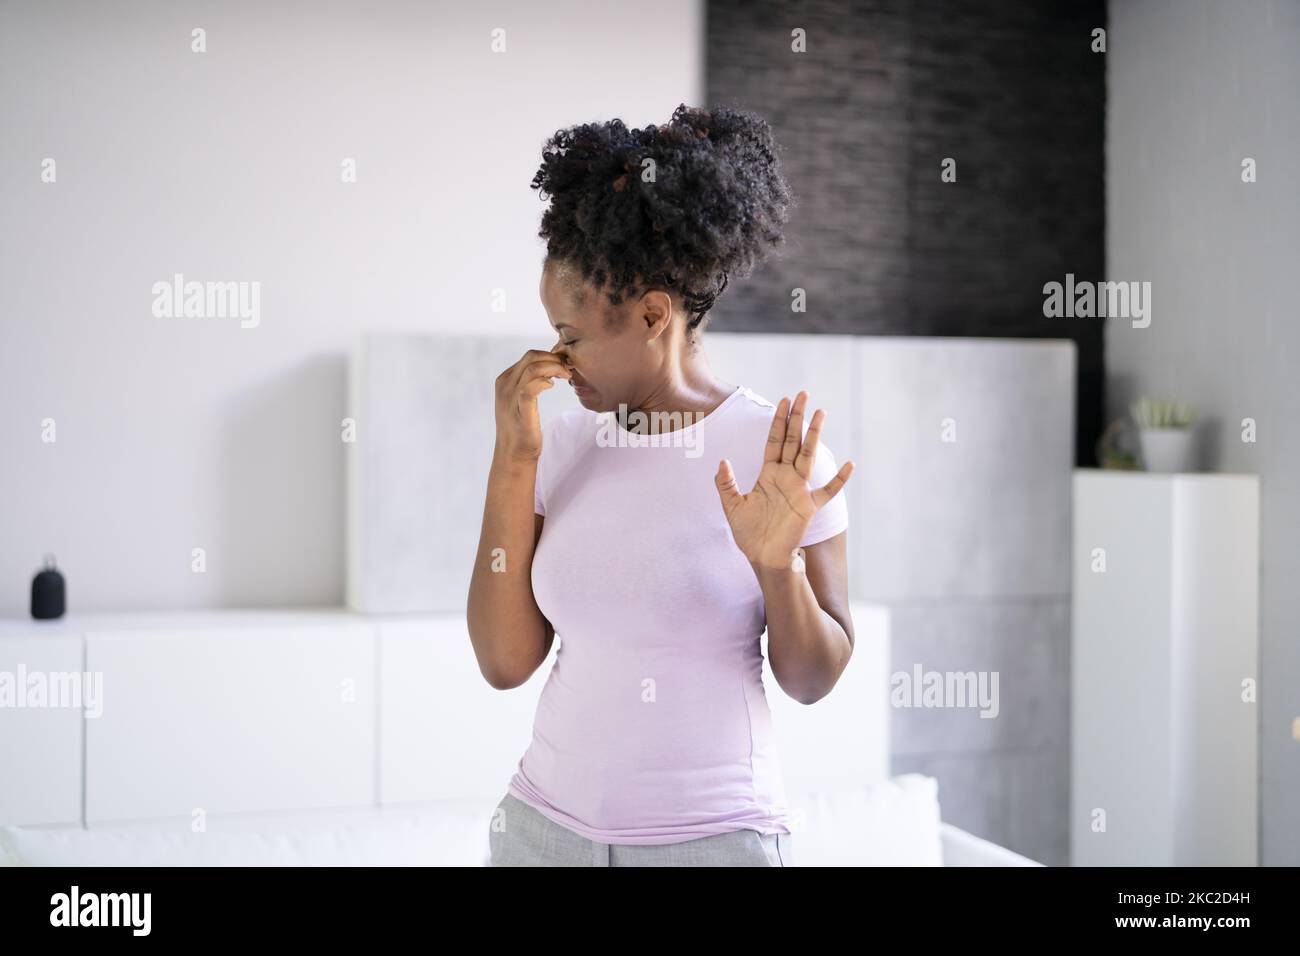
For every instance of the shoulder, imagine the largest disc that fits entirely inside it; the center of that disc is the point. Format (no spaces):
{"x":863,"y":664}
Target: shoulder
{"x":755,"y":413}
{"x":752,"y":407}
{"x":569,"y":420}
{"x":566,"y":431}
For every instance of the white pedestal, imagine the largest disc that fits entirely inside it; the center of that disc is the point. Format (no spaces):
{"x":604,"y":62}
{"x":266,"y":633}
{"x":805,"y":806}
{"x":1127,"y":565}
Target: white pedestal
{"x":1164,"y":724}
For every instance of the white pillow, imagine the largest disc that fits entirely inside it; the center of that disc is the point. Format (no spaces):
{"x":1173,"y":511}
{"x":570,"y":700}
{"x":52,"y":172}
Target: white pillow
{"x":891,"y":823}
{"x":448,"y":833}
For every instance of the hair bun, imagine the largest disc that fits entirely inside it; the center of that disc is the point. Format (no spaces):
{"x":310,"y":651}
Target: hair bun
{"x":685,"y":205}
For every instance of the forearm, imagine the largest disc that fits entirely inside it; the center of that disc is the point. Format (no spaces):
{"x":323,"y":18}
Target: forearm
{"x":808,"y":649}
{"x":508,"y":631}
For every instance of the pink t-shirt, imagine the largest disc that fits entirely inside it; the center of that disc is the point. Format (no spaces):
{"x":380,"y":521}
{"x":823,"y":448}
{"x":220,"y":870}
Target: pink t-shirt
{"x":653,"y":726}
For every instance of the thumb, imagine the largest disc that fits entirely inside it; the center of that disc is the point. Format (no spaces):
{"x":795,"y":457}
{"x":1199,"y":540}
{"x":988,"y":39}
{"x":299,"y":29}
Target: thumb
{"x":725,"y":479}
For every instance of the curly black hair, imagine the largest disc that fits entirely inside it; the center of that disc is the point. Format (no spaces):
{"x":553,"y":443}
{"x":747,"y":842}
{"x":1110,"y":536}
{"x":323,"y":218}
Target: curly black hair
{"x":684,"y":206}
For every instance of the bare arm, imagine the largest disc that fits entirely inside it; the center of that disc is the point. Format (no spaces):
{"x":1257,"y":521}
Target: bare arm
{"x":510,"y":635}
{"x":809,"y":630}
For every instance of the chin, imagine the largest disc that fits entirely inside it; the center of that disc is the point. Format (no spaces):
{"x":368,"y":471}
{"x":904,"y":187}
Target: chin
{"x":590,"y":399}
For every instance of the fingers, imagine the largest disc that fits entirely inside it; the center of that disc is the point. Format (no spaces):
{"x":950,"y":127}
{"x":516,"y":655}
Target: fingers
{"x":537,"y":355}
{"x":536,"y":365}
{"x":535,"y":386}
{"x":803,"y":462}
{"x":725,"y":479}
{"x":537,"y":378}
{"x":829,"y":490}
{"x":533,"y":355}
{"x":794,"y":430}
{"x":515,"y":374}
{"x":548,"y":367}
{"x":776,"y":434}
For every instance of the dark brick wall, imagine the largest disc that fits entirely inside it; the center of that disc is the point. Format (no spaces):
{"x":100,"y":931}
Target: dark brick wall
{"x":1010,"y":89}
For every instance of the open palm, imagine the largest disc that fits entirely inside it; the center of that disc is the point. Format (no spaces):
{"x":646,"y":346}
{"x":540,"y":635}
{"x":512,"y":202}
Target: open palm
{"x":769,"y":522}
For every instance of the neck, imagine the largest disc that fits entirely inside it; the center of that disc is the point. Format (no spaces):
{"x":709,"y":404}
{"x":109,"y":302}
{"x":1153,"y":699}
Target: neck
{"x":686,"y":386}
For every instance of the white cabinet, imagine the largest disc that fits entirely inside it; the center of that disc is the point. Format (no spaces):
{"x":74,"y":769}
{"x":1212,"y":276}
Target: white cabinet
{"x":1164,"y":720}
{"x":224,"y":712}
{"x":232,"y":712}
{"x":444,"y":729}
{"x":40,"y":726}
{"x":231,"y":719}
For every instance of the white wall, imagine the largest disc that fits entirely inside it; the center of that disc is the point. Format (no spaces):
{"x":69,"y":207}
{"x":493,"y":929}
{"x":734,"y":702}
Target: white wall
{"x":1194,"y":87}
{"x":180,"y":433}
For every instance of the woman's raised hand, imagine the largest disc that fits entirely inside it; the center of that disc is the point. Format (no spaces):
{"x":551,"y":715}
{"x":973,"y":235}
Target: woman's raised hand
{"x":519,"y":427}
{"x":769,"y":522}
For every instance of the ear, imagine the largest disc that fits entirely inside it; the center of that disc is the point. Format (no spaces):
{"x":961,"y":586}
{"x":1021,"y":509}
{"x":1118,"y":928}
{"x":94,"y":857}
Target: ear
{"x":655,"y":309}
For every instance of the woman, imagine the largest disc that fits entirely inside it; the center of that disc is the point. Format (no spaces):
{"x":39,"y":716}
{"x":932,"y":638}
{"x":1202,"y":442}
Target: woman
{"x":658,"y":528}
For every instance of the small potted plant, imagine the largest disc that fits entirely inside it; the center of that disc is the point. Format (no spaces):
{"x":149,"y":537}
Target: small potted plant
{"x":1166,"y":435}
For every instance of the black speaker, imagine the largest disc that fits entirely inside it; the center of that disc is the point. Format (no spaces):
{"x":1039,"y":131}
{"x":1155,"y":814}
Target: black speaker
{"x":49,"y":597}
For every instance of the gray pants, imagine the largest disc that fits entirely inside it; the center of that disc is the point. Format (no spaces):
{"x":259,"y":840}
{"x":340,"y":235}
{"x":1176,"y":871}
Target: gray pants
{"x":521,"y":836}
